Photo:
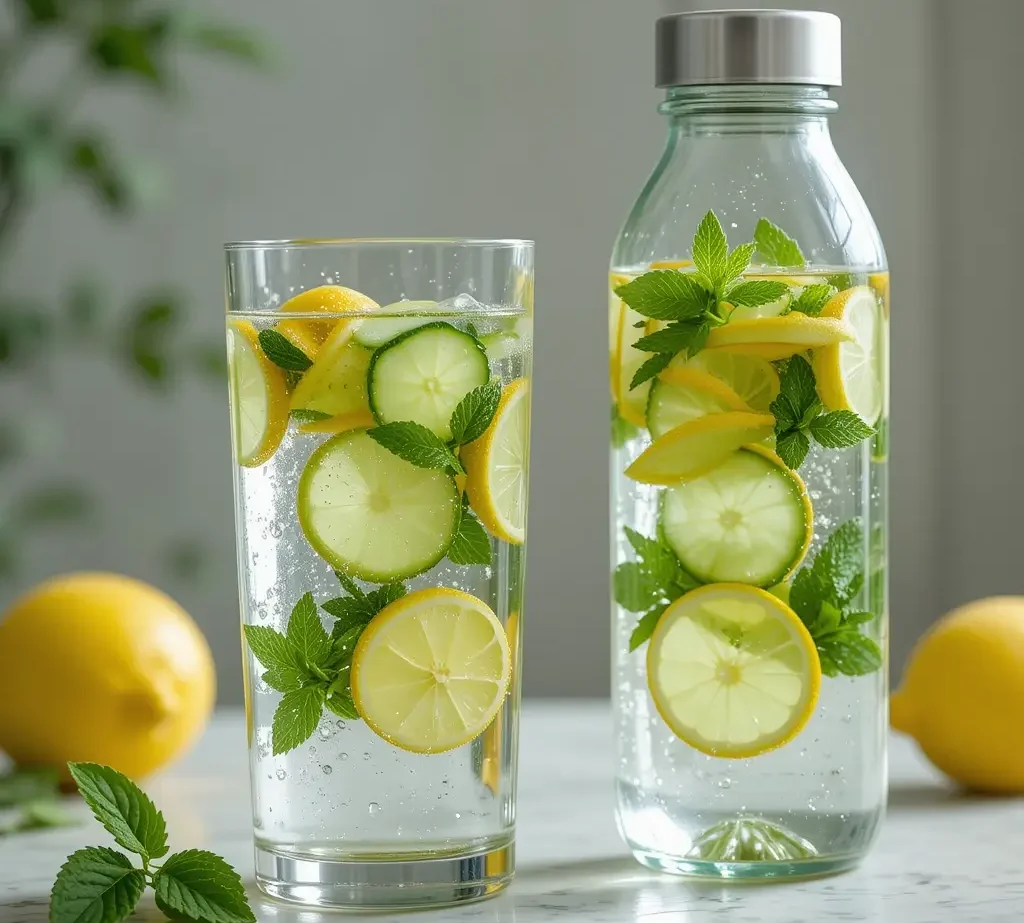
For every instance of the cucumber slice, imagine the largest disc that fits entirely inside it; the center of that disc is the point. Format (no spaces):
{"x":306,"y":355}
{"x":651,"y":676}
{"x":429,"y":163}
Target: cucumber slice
{"x":685,"y":394}
{"x":501,"y":345}
{"x":747,"y":521}
{"x":376,"y":331}
{"x":373,"y":515}
{"x":421,"y":376}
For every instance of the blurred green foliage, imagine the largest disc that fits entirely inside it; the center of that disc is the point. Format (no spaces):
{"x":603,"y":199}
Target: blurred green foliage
{"x":44,"y":143}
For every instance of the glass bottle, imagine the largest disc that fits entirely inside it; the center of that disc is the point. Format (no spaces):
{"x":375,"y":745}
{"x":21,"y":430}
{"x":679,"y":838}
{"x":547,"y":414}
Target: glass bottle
{"x":749,"y":440}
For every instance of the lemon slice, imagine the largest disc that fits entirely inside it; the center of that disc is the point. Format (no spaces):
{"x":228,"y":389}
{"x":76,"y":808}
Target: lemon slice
{"x":335,"y":383}
{"x":493,"y":741}
{"x":848,"y":373}
{"x":693,"y":449}
{"x":431,"y":671}
{"x":496,"y":466}
{"x":780,"y":337}
{"x":340,"y":423}
{"x":732,"y":671}
{"x":672,"y":264}
{"x":259,"y":397}
{"x":626,"y":358}
{"x":683,"y":394}
{"x":309,"y":334}
{"x":752,"y":378}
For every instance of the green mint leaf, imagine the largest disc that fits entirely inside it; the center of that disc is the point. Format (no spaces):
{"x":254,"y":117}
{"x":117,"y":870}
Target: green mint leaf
{"x":22,"y":785}
{"x":710,"y":249}
{"x":634,"y":588}
{"x":685,"y":336}
{"x":41,"y":815}
{"x":840,"y":429}
{"x":792,"y":448}
{"x":828,"y":620}
{"x":786,"y":417}
{"x":339,"y":699}
{"x":270,"y":647}
{"x":645,"y":627}
{"x":806,"y":595}
{"x":474,"y":413}
{"x":840,"y":280}
{"x":344,"y":644}
{"x":658,"y":560}
{"x":282,"y":352}
{"x":738,"y":263}
{"x":856,"y":619}
{"x":285,"y":678}
{"x":622,"y":430}
{"x":828,"y":665}
{"x":306,"y":633}
{"x":96,"y":885}
{"x":349,"y":585}
{"x":852,"y":653}
{"x":384,"y":596}
{"x":811,"y":414}
{"x":657,"y":363}
{"x":841,"y":560}
{"x":296,"y":718}
{"x":348,"y":612}
{"x":309,"y":416}
{"x":199,"y":885}
{"x":813,"y":298}
{"x":798,"y":384}
{"x":123,"y":808}
{"x":775,"y":246}
{"x":643,"y":546}
{"x":666,"y":294}
{"x":472,"y":544}
{"x":416,"y":444}
{"x":756,"y":293}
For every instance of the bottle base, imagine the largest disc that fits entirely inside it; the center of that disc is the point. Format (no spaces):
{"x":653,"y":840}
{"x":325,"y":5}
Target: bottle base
{"x":817,"y":867}
{"x":380,"y":884}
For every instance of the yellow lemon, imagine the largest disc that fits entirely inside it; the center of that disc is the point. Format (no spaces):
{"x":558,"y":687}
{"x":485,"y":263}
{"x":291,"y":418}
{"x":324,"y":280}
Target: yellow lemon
{"x":102,"y":668}
{"x":309,"y":334}
{"x":962,"y":696}
{"x":259,"y":397}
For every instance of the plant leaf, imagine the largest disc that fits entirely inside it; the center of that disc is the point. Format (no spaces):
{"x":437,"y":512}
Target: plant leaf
{"x":852,"y":653}
{"x":679,"y":336}
{"x":814,"y":298}
{"x":416,"y":444}
{"x":306,"y":632}
{"x":282,"y":352}
{"x":348,"y":612}
{"x":710,"y":249}
{"x":296,"y":717}
{"x":226,"y":40}
{"x":775,"y":246}
{"x":798,"y":384}
{"x":95,"y":885}
{"x":792,"y":448}
{"x":839,"y":429}
{"x":24,"y":784}
{"x":474,"y":413}
{"x":665,"y":294}
{"x":841,"y":559}
{"x":270,"y":647}
{"x":199,"y":885}
{"x":738,"y":263}
{"x":384,"y":596}
{"x":634,"y":588}
{"x":349,"y":585}
{"x":756,"y":293}
{"x":472,"y":544}
{"x":657,"y":363}
{"x":645,"y":627}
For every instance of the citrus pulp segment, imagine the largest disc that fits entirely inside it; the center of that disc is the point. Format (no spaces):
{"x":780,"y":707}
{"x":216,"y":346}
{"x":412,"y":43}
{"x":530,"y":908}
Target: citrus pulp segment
{"x":260,"y":397}
{"x":754,"y":379}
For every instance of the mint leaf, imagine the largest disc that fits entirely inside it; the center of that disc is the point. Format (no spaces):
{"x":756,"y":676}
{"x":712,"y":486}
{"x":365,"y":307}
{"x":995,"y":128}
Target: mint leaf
{"x":792,"y":448}
{"x":813,"y":298}
{"x":738,"y":263}
{"x":279,"y":350}
{"x":775,"y":246}
{"x":686,"y":336}
{"x":710,"y":249}
{"x":199,"y":885}
{"x":344,"y":643}
{"x":385,"y":596}
{"x":645,"y":627}
{"x":622,"y":430}
{"x":349,"y":585}
{"x":851,"y":653}
{"x":841,"y":559}
{"x":841,"y":280}
{"x":285,"y":678}
{"x":20,"y":785}
{"x":95,"y":885}
{"x":657,"y":363}
{"x":342,"y":704}
{"x":306,"y":633}
{"x":756,"y":293}
{"x":270,"y":647}
{"x":123,"y":808}
{"x":798,"y":384}
{"x":472,"y":544}
{"x":635,"y":588}
{"x":840,"y":429}
{"x":806,"y":595}
{"x":40,"y":815}
{"x":856,"y":619}
{"x":416,"y":444}
{"x":811,"y":414}
{"x":473,"y":414}
{"x":348,"y":612}
{"x":302,"y":415}
{"x":786,"y":417}
{"x":661,"y":563}
{"x":666,"y":294}
{"x":296,"y":718}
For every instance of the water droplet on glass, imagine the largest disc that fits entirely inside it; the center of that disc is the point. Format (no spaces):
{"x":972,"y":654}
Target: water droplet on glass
{"x":374,"y":807}
{"x":327,"y":769}
{"x":281,"y":774}
{"x":457,"y":815}
{"x":803,"y":753}
{"x":342,"y":756}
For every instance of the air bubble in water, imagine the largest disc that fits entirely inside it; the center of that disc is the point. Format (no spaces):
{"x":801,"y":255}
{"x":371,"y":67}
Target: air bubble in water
{"x":374,"y":807}
{"x":725,"y":783}
{"x":340,"y":724}
{"x":326,"y":732}
{"x":282,"y":775}
{"x":327,"y":769}
{"x":342,"y":756}
{"x":366,"y":756}
{"x":261,"y":612}
{"x":312,"y":750}
{"x":275,"y":529}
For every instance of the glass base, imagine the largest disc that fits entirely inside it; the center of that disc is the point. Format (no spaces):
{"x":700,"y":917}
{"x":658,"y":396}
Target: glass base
{"x":380,"y":884}
{"x":817,"y":867}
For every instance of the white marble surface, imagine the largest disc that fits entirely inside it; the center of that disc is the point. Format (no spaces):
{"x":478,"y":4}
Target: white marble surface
{"x":942,"y":856}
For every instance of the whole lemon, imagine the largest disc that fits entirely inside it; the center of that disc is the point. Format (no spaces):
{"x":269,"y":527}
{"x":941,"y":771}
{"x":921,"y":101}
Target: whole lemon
{"x":104,"y":668}
{"x":962,"y":696}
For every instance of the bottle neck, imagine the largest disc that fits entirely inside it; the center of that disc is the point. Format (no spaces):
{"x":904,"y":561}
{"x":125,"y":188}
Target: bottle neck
{"x":748,"y":109}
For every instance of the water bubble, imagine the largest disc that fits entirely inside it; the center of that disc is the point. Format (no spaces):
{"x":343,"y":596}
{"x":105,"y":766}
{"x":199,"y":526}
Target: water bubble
{"x":374,"y":807}
{"x":343,"y":755}
{"x":327,"y":769}
{"x":366,"y":756}
{"x":725,"y":782}
{"x":275,"y":529}
{"x":261,"y":612}
{"x":457,"y":815}
{"x":282,"y":775}
{"x":326,"y":732}
{"x":312,"y":750}
{"x":340,"y":724}
{"x":803,"y":753}
{"x":847,"y":719}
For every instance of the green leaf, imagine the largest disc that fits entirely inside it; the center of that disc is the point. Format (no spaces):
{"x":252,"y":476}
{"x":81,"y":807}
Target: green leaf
{"x":123,"y":808}
{"x":665,"y":294}
{"x":840,"y":429}
{"x":416,"y":444}
{"x":198,"y":885}
{"x":811,"y":414}
{"x":285,"y":678}
{"x":856,"y":619}
{"x":758,"y":292}
{"x":798,"y":384}
{"x":622,"y":430}
{"x":738,"y":263}
{"x":813,"y":298}
{"x":48,"y":505}
{"x":775,"y":246}
{"x":474,"y":413}
{"x":786,"y":417}
{"x":270,"y":647}
{"x":472,"y":544}
{"x":89,"y":159}
{"x":44,"y":12}
{"x":134,"y":49}
{"x":306,"y":632}
{"x":841,"y":559}
{"x":349,"y":585}
{"x":227,"y":41}
{"x":339,"y":699}
{"x":645,"y":627}
{"x":296,"y":718}
{"x":840,"y":280}
{"x":806,"y":595}
{"x":147,"y":335}
{"x":209,"y":360}
{"x":348,"y":612}
{"x":23,"y":785}
{"x":852,"y":653}
{"x":95,"y":885}
{"x":43,"y":815}
{"x":680,"y":336}
{"x":792,"y":448}
{"x":384,"y":596}
{"x":343,"y":644}
{"x":634,"y":588}
{"x":828,"y":620}
{"x":309,"y":416}
{"x":710,"y":249}
{"x":282,"y":352}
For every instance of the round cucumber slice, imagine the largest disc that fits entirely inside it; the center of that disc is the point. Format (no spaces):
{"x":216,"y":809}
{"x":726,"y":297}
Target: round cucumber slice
{"x":373,"y":515}
{"x":747,"y":521}
{"x":685,"y":395}
{"x":421,"y":376}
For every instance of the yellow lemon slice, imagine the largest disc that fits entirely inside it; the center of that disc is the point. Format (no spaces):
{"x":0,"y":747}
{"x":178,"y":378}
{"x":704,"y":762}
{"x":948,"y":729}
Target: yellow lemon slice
{"x":672,"y":264}
{"x":625,"y":357}
{"x":309,"y":334}
{"x":780,"y":337}
{"x":259,"y":397}
{"x":849,"y":373}
{"x":341,"y":423}
{"x":335,"y":383}
{"x":753,"y":378}
{"x":496,"y":466}
{"x":493,"y":741}
{"x":693,"y":449}
{"x":683,"y":394}
{"x":732,"y":671}
{"x":431,"y":671}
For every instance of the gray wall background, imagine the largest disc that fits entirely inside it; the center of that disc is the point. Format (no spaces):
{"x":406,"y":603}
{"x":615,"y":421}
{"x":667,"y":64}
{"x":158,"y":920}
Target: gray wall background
{"x":536,"y":118}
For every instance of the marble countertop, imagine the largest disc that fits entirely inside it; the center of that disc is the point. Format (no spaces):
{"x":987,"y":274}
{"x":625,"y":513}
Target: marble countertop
{"x":942,"y":856}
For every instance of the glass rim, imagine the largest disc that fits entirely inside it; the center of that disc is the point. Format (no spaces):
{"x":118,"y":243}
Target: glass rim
{"x":355,"y":242}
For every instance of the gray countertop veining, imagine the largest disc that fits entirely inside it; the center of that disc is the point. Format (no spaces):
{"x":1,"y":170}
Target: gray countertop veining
{"x":942,"y":856}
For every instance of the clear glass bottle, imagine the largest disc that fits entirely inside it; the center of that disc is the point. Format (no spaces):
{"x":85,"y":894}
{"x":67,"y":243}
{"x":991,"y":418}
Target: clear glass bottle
{"x":749,"y":474}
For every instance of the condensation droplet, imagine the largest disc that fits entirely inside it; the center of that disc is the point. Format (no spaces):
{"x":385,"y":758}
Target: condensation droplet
{"x":340,"y":724}
{"x":374,"y":807}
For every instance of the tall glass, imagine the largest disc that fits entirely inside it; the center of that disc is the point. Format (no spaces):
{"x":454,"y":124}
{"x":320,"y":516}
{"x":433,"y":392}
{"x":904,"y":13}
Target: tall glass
{"x":380,"y":402}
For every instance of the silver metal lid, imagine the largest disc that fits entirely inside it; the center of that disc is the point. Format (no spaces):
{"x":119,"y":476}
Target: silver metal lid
{"x":749,"y":46}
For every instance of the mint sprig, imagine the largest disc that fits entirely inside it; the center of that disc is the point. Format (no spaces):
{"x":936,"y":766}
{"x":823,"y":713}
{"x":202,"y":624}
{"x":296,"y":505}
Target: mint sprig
{"x":824,"y":596}
{"x":775,"y":247}
{"x":102,"y":885}
{"x":800,"y":416}
{"x":30,"y":797}
{"x":813,"y":298}
{"x":622,"y":430}
{"x":472,"y":544}
{"x":282,"y":352}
